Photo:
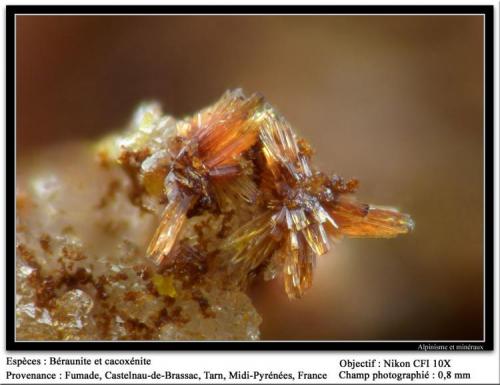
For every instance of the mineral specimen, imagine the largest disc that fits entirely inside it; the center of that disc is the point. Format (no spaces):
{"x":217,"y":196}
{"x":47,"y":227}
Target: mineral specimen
{"x":220,"y":197}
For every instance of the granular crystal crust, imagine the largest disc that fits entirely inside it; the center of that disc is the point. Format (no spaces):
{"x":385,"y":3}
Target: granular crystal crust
{"x":179,"y":216}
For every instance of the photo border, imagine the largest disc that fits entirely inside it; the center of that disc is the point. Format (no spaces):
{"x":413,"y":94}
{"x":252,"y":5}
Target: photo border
{"x":392,"y":345}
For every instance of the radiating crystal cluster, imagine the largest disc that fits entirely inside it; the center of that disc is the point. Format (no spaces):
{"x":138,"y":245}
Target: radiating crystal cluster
{"x":159,"y":238}
{"x":241,"y":152}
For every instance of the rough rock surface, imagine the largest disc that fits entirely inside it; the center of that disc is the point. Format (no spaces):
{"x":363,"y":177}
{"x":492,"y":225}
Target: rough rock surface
{"x":81,"y":271}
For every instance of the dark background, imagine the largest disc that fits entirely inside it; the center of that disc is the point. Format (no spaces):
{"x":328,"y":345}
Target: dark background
{"x":396,"y":101}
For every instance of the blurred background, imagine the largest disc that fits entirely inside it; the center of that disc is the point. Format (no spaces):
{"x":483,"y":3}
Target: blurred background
{"x":395,"y":101}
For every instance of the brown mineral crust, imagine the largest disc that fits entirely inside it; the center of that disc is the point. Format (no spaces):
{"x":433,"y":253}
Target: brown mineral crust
{"x":137,"y":330}
{"x":198,"y":296}
{"x":45,"y":243}
{"x":226,"y":227}
{"x":72,"y":253}
{"x":132,"y":295}
{"x":188,"y":266}
{"x":77,"y":279}
{"x":121,"y":276}
{"x":151,"y":288}
{"x":173,"y":315}
{"x":48,"y":286}
{"x":100,"y":286}
{"x":45,"y":290}
{"x":131,"y":162}
{"x":27,"y":255}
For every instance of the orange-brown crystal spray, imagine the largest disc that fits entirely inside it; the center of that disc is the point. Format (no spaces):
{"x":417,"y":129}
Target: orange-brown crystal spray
{"x":243,"y":149}
{"x":208,"y":150}
{"x":305,"y":209}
